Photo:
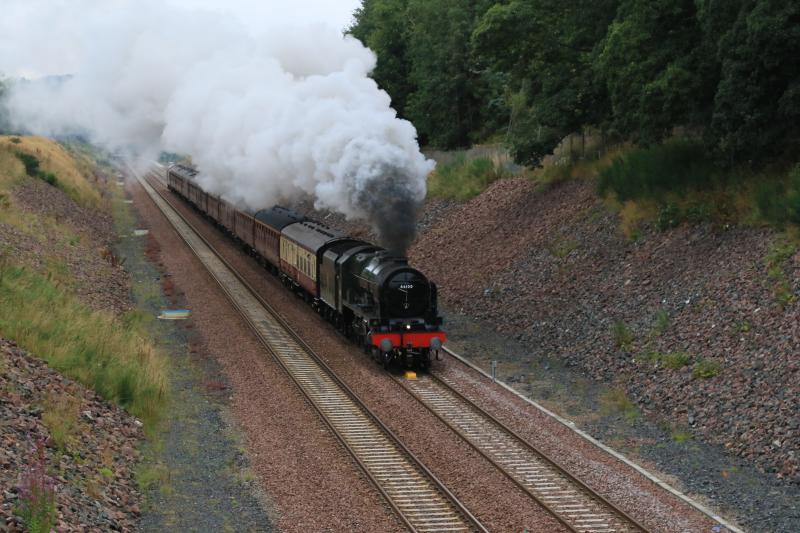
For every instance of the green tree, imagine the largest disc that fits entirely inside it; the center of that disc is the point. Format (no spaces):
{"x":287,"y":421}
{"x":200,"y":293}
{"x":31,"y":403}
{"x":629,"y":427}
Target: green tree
{"x":447,"y":103}
{"x":382,"y":25}
{"x":651,"y":67}
{"x":547,"y":48}
{"x":756,"y":109}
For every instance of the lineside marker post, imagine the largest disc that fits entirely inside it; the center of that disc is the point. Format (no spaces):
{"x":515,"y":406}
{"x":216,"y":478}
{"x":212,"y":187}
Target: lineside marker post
{"x":494,"y":370}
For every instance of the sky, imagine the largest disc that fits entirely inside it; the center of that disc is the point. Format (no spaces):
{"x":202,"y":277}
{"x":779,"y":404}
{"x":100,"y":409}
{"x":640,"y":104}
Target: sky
{"x":337,"y":13}
{"x":31,"y":55}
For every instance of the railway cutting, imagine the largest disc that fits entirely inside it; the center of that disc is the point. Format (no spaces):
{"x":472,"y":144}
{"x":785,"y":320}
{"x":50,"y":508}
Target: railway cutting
{"x":421,"y":501}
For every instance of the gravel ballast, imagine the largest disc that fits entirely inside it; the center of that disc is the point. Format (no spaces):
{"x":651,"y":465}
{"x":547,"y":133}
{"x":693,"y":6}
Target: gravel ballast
{"x":451,"y":459}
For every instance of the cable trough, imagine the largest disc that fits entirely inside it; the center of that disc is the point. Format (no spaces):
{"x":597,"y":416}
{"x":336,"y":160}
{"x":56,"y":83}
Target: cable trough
{"x":422,"y":502}
{"x":574,"y":504}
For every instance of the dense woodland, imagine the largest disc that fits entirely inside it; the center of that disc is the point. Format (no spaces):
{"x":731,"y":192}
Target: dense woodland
{"x":530,"y":72}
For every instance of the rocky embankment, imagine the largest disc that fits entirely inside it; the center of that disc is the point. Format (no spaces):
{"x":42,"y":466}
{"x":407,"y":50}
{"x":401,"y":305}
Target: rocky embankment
{"x":88,"y":448}
{"x":699,"y":324}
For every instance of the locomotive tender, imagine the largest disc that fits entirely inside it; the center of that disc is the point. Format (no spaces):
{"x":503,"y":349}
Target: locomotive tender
{"x":371,"y":295}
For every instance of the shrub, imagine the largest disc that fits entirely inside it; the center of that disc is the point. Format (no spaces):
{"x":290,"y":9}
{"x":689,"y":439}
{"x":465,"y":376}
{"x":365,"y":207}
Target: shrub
{"x":31,"y":163}
{"x":706,"y":368}
{"x":16,"y":140}
{"x":32,"y":168}
{"x":622,"y":335}
{"x":651,"y":172}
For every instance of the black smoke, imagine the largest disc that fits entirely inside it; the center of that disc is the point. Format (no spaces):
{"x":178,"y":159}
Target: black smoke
{"x":391,"y":208}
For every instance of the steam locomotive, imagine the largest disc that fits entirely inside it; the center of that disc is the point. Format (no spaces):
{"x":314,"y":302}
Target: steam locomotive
{"x":371,"y":295}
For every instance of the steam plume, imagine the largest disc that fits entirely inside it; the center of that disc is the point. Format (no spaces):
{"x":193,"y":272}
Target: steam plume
{"x":267,"y":117}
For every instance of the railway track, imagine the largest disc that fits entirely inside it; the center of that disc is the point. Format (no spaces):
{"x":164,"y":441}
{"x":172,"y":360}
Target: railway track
{"x":421,"y":501}
{"x":575,"y":505}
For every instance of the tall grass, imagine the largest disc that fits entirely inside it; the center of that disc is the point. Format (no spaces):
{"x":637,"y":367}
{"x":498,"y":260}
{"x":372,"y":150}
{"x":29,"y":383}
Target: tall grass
{"x":111,"y":356}
{"x":463,"y":178}
{"x":673,"y":167}
{"x":778,"y":200}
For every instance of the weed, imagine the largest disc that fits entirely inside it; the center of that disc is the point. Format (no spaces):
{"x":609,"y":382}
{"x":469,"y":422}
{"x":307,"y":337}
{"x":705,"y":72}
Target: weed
{"x":150,"y":476}
{"x":562,"y":247}
{"x":743,"y":327}
{"x":37,"y":495}
{"x":779,"y":253}
{"x":668,"y":217}
{"x":106,"y":472}
{"x":622,"y":335}
{"x":680,"y":436}
{"x":706,"y":368}
{"x":615,"y":401}
{"x":60,"y":416}
{"x":661,"y":322}
{"x":671,"y":360}
{"x":675,"y":360}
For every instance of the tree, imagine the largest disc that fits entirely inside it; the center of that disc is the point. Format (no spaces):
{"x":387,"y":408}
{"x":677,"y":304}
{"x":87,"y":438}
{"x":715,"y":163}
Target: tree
{"x":756,"y":109}
{"x":650,"y":64}
{"x":548,"y":48}
{"x":382,"y":25}
{"x":447,"y":105}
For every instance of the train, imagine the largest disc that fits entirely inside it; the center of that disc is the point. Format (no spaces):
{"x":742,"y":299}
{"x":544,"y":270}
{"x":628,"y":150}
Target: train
{"x":371,"y":295}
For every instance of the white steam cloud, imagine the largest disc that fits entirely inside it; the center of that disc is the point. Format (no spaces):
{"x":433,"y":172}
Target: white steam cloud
{"x":267,"y":116}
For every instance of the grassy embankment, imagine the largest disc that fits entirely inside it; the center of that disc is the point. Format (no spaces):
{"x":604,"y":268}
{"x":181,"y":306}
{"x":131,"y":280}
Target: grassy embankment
{"x":38,"y":309}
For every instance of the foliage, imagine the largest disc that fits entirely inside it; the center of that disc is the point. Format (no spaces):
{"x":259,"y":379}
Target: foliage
{"x":706,"y":368}
{"x":463,"y":178}
{"x":622,"y":335}
{"x":37,"y":495}
{"x":615,"y":401}
{"x":778,"y":201}
{"x":102,"y":352}
{"x":59,"y":415}
{"x":662,"y":322}
{"x":780,"y":251}
{"x":671,"y":360}
{"x":651,"y":172}
{"x":724,"y":71}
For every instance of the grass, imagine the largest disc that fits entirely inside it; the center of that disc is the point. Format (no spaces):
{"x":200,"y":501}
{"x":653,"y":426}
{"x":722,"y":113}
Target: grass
{"x":706,"y":368}
{"x":677,"y":182}
{"x":616,"y":402}
{"x":661,"y":322}
{"x":463,"y":178}
{"x":60,"y":416}
{"x":671,"y":360}
{"x":622,"y":335}
{"x":74,"y":169}
{"x":112,"y":356}
{"x":780,"y":252}
{"x":674,"y":166}
{"x":680,"y":436}
{"x":152,"y":475}
{"x":561,"y":247}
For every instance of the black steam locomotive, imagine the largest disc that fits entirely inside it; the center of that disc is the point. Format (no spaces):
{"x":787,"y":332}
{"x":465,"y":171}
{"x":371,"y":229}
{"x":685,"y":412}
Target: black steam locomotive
{"x":371,"y":295}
